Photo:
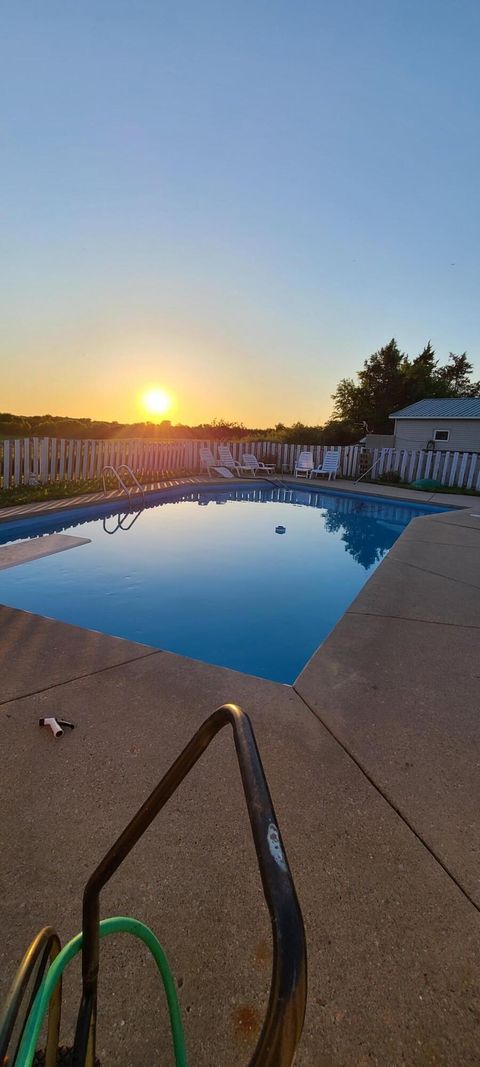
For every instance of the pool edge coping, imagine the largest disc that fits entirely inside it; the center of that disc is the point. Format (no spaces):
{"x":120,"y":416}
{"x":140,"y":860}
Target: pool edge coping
{"x":17,"y":513}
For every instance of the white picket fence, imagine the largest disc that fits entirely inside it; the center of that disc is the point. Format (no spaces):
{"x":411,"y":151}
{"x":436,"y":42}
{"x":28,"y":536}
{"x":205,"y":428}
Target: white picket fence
{"x":459,"y":469}
{"x":47,"y":459}
{"x":50,"y":460}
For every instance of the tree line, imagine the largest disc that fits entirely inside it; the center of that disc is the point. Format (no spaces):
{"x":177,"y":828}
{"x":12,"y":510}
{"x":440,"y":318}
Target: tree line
{"x":12,"y":426}
{"x":389,"y":380}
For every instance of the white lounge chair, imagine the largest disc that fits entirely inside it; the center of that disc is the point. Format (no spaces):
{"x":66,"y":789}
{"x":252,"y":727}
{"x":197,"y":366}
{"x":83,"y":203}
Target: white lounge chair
{"x":250,"y":462}
{"x":224,"y":472}
{"x":330,"y":465}
{"x":227,"y":460}
{"x":207,"y":459}
{"x":303,"y":465}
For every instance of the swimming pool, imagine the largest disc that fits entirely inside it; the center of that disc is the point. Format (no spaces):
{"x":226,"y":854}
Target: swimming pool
{"x":210,"y":574}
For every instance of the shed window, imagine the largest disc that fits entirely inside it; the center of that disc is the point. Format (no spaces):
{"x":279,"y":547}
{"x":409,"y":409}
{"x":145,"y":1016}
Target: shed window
{"x":441,"y":435}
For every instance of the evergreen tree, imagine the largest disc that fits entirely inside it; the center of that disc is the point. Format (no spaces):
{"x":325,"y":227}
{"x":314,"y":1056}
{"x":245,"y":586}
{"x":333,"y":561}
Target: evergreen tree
{"x":422,"y":375}
{"x":382,"y":388}
{"x":390,"y":380}
{"x":454,"y":378}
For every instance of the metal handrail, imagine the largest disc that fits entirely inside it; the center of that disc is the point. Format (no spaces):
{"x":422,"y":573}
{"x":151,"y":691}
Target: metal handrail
{"x":126,"y":488}
{"x":121,"y":519}
{"x":44,"y":947}
{"x":283,"y":1022}
{"x":131,"y":521}
{"x":115,"y":528}
{"x":125,"y":467}
{"x":119,"y":479}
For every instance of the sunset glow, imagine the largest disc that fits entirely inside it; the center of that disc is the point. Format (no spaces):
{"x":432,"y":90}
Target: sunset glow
{"x":156,"y":402}
{"x":197,"y":259}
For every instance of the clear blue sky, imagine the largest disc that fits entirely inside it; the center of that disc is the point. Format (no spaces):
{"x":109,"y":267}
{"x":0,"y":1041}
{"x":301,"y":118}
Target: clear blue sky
{"x":235,"y":201}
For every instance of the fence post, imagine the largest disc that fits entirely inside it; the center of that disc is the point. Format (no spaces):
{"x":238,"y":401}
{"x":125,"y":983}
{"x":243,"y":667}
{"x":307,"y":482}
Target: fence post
{"x":26,"y":461}
{"x":446,"y":462}
{"x":453,"y":469}
{"x":52,"y":459}
{"x":17,"y":473}
{"x":471,"y":471}
{"x":44,"y":459}
{"x":6,"y":464}
{"x":463,"y":467}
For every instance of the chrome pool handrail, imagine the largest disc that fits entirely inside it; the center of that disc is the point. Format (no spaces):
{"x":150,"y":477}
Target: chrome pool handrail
{"x":283,"y":1022}
{"x":125,"y":467}
{"x":126,"y":488}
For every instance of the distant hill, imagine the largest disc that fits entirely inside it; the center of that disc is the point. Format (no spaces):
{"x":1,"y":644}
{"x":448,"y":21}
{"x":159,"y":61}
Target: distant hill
{"x":12,"y":426}
{"x":62,"y":426}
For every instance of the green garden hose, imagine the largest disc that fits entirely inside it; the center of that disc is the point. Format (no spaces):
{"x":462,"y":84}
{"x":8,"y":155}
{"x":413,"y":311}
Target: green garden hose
{"x":116,"y":925}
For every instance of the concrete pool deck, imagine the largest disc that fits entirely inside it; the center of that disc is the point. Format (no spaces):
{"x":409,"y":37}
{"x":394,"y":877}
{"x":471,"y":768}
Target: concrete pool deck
{"x":372,"y":761}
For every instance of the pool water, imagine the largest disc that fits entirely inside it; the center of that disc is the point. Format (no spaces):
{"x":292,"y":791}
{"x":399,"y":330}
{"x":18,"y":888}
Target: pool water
{"x":206,"y":575}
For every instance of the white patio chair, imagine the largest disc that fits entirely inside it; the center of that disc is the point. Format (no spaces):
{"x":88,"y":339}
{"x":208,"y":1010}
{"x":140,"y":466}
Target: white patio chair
{"x":303,"y":465}
{"x":207,"y":459}
{"x":224,"y":472}
{"x":330,"y":465}
{"x":250,"y":462}
{"x":227,"y":460}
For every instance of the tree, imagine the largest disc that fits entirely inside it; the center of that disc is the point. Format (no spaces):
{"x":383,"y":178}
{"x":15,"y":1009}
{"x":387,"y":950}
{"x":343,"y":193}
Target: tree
{"x":349,"y":403}
{"x":390,"y":380}
{"x":422,"y":375}
{"x":381,"y":389}
{"x":454,"y":378}
{"x":339,"y":432}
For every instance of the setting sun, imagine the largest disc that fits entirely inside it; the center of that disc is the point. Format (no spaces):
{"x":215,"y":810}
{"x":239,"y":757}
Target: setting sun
{"x":156,"y":402}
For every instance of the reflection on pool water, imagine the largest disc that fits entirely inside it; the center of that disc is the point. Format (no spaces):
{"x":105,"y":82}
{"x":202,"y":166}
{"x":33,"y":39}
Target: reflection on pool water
{"x":206,"y":574}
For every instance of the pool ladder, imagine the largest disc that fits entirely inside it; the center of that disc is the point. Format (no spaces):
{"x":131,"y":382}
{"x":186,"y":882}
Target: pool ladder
{"x":121,"y":521}
{"x":127,"y":489}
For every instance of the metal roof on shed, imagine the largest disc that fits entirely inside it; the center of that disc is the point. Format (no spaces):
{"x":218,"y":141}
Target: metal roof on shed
{"x":467,"y":407}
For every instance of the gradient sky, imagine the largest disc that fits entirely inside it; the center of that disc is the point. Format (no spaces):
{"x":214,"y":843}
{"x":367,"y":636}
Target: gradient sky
{"x":236,"y":201}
